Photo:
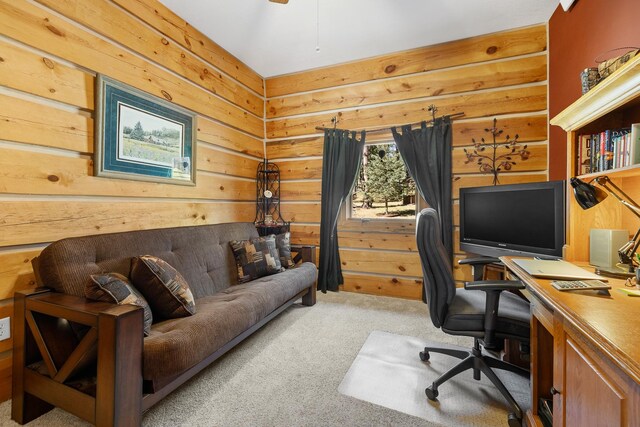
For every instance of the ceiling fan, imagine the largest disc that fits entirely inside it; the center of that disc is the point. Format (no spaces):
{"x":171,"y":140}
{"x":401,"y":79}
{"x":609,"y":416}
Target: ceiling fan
{"x":279,"y":1}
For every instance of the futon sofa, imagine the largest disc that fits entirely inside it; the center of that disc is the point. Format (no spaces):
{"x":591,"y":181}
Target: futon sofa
{"x":90,"y":358}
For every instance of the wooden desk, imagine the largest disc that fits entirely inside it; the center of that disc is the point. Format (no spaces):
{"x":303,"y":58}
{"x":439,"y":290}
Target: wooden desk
{"x":585,"y":353}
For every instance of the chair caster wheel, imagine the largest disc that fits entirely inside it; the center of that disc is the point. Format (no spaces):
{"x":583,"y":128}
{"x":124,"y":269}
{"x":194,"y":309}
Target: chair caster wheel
{"x":424,"y":356}
{"x":432,"y":393}
{"x":514,"y":421}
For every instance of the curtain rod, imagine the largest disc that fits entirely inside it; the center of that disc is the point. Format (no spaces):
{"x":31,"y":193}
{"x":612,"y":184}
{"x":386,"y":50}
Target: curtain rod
{"x":388,"y":128}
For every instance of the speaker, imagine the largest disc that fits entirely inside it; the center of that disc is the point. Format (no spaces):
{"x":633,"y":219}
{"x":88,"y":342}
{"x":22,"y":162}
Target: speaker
{"x":604,"y":245}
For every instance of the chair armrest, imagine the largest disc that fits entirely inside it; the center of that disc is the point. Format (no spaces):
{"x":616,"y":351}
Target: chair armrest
{"x":304,"y":253}
{"x":477,"y":265}
{"x":494,"y":285}
{"x":493,"y":289}
{"x":479,"y":261}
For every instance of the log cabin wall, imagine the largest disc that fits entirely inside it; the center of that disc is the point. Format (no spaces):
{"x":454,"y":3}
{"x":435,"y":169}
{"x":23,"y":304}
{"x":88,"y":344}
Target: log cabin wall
{"x":50,"y":53}
{"x":500,"y":75}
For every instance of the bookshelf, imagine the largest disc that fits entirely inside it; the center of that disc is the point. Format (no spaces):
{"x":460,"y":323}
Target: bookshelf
{"x":582,"y":359}
{"x":627,"y":171}
{"x":613,"y":103}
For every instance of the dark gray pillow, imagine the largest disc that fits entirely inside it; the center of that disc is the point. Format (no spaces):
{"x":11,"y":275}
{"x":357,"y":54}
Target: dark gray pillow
{"x":163,"y":286}
{"x":256,"y":257}
{"x":116,"y":288}
{"x":283,"y":243}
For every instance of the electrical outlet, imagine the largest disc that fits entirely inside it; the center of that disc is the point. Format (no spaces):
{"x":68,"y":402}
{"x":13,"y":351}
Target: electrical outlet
{"x":5,"y":328}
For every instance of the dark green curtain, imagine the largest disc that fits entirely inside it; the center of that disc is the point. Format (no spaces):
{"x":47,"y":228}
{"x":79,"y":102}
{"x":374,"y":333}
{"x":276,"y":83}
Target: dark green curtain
{"x":341,"y":162}
{"x":426,"y":152}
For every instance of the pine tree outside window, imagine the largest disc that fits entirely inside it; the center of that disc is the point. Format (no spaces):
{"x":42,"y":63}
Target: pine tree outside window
{"x":384,"y":189}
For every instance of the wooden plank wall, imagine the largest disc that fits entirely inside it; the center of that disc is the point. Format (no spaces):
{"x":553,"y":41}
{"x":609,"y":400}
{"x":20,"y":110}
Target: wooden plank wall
{"x":50,"y":53}
{"x":499,"y":75}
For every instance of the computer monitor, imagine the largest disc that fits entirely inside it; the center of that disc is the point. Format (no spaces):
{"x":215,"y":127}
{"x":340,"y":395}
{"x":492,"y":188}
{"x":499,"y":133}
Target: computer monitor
{"x":519,"y":219}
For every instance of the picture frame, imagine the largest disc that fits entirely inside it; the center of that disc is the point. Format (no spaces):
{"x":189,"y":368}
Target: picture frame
{"x":142,"y":137}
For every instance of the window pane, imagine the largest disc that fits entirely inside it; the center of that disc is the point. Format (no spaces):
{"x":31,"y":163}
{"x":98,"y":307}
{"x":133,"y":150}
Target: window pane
{"x":384,"y":188}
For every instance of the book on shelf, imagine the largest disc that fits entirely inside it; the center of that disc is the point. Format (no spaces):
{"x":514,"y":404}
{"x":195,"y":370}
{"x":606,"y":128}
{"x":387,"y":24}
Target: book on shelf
{"x":584,"y":154}
{"x":615,"y":144}
{"x":618,"y":143}
{"x":634,"y":144}
{"x":595,"y":148}
{"x":605,"y":140}
{"x":609,"y":149}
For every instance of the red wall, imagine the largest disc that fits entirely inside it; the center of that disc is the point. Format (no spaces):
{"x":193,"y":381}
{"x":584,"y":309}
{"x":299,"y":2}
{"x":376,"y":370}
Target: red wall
{"x":576,"y":39}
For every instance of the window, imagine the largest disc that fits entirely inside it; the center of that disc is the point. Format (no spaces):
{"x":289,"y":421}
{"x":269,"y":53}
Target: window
{"x":384,"y":189}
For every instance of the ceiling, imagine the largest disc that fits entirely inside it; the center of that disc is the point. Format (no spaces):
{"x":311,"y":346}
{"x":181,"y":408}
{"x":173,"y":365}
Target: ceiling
{"x":276,"y":39}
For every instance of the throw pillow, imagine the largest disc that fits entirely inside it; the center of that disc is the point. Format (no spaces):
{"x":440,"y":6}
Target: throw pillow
{"x":283,"y":243}
{"x":116,"y":288}
{"x":166,"y":290}
{"x":256,"y":257}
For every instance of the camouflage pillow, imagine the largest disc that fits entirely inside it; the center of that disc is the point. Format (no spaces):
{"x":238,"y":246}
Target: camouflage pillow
{"x":283,"y":243}
{"x":166,"y":290}
{"x":115,"y":288}
{"x":256,"y":257}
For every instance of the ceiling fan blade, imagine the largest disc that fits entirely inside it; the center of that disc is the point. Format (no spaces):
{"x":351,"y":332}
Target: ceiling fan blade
{"x":279,"y":1}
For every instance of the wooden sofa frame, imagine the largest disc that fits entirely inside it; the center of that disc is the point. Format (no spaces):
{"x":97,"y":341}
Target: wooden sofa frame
{"x":114,"y":335}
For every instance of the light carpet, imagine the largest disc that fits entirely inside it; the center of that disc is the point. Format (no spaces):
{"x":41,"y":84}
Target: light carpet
{"x":288,"y":373}
{"x":387,"y":371}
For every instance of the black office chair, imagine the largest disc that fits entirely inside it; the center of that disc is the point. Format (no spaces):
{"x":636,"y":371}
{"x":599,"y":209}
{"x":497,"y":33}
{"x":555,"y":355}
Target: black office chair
{"x":480,"y":310}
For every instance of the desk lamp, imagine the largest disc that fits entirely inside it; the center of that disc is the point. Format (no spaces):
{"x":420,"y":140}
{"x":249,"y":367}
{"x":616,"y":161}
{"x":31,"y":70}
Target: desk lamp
{"x":588,"y":196}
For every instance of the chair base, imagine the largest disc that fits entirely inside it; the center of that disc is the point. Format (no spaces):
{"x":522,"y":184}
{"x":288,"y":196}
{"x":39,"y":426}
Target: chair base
{"x":475,"y":360}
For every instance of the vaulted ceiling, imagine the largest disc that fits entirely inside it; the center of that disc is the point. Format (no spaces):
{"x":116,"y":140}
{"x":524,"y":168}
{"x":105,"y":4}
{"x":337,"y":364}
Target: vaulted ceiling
{"x":276,"y":39}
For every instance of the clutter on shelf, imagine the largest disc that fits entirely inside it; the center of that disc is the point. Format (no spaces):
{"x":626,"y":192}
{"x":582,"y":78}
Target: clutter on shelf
{"x":591,"y":76}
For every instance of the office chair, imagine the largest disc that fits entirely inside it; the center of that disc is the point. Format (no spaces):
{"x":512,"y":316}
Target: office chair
{"x":481,"y":310}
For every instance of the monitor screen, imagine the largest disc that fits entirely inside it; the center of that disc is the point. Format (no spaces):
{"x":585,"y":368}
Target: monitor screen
{"x":520,"y":219}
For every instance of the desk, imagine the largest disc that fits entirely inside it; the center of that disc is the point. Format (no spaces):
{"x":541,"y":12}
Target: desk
{"x":585,"y":353}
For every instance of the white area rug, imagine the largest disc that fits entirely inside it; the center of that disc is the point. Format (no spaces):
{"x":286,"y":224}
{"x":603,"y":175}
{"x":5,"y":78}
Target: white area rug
{"x":388,"y":372}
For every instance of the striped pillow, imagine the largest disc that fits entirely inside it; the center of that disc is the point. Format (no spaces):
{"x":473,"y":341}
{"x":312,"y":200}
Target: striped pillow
{"x":116,"y":288}
{"x":283,"y":243}
{"x":166,"y":290}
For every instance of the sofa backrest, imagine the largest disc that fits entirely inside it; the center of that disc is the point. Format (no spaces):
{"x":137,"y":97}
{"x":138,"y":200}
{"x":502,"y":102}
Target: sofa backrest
{"x":200,"y":253}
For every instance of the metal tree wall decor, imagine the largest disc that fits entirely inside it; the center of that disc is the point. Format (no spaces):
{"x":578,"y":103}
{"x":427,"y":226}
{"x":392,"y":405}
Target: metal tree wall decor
{"x":495,"y":162}
{"x":268,"y":195}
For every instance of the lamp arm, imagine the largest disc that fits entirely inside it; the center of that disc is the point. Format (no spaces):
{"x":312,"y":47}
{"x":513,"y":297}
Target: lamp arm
{"x":635,"y":248}
{"x":626,"y":252}
{"x":636,"y":243}
{"x":633,"y":208}
{"x":605,"y":182}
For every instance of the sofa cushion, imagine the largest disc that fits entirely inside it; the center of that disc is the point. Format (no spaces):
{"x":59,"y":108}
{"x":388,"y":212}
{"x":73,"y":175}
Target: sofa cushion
{"x":177,"y":344}
{"x":115,"y":288}
{"x":166,"y":290}
{"x":283,"y":243}
{"x":256,"y":258}
{"x":200,"y":253}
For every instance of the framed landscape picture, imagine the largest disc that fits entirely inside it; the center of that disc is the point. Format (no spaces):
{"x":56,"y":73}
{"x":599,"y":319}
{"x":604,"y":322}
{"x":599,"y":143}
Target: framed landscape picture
{"x":140,"y":136}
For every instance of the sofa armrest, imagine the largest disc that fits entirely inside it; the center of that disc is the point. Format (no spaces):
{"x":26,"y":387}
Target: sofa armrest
{"x":304,"y":253}
{"x":70,"y":307}
{"x":114,"y":334}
